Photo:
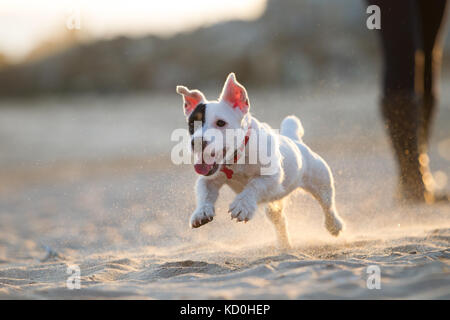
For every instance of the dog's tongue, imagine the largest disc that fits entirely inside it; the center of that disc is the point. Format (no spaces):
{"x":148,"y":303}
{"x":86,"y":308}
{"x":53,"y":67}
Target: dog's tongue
{"x":203,"y":168}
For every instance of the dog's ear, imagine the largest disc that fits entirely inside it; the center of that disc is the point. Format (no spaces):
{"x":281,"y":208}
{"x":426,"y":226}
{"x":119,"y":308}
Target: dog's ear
{"x":191,"y":99}
{"x":235,"y":94}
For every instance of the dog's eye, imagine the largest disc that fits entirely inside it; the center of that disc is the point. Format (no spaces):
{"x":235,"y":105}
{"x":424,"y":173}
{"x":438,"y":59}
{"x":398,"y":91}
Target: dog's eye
{"x":220,"y":123}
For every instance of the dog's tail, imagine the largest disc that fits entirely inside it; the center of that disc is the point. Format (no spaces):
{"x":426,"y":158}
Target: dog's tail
{"x":291,"y":127}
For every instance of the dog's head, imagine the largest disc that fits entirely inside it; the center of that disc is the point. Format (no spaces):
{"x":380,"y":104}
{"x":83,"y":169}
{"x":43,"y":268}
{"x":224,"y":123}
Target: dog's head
{"x":210,"y":122}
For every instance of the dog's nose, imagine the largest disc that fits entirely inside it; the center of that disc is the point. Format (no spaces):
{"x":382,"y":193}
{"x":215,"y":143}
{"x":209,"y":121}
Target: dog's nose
{"x":198,"y":142}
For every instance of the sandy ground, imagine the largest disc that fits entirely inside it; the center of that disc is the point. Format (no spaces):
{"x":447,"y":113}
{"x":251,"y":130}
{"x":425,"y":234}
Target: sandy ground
{"x":88,"y":181}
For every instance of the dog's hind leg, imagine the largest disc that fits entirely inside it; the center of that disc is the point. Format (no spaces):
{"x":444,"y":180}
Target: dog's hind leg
{"x":274,"y":212}
{"x":321,"y":186}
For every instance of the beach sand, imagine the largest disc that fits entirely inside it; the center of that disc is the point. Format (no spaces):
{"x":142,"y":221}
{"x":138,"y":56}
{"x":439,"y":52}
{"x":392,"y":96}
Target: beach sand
{"x":87,"y":181}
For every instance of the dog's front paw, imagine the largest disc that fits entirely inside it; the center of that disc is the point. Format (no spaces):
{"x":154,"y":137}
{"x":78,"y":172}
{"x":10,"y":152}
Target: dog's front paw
{"x":202,"y":215}
{"x":243,"y":208}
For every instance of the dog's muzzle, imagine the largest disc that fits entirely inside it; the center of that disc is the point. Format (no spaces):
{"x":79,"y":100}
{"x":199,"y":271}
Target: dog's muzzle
{"x":206,"y":169}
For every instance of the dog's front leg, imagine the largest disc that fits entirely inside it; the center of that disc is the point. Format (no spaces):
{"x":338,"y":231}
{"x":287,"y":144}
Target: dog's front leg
{"x":257,"y":189}
{"x":207,"y":191}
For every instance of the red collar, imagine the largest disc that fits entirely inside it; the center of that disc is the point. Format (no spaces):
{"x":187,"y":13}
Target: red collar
{"x":228,"y":172}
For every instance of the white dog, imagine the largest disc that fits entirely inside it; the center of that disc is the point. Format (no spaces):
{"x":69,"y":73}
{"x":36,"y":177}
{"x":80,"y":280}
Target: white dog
{"x":292,"y":164}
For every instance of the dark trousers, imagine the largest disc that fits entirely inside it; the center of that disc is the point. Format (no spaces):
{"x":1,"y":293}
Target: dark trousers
{"x":411,"y":36}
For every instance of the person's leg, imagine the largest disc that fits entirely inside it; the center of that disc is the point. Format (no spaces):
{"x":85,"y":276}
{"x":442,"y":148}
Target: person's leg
{"x":399,"y":41}
{"x":400,"y":105}
{"x":432,"y":18}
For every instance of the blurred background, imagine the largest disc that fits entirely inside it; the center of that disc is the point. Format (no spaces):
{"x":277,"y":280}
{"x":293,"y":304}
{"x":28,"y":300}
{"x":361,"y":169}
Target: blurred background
{"x":121,"y":46}
{"x":88,"y":104}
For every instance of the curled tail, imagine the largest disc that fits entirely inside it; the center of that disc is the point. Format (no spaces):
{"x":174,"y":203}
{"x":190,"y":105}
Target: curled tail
{"x":291,"y":127}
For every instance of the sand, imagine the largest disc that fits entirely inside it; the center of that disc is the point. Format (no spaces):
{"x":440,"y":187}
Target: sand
{"x":87,"y":181}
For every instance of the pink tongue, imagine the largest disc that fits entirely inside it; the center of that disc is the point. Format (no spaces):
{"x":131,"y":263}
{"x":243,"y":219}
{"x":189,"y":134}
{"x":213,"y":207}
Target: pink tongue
{"x":203,"y":168}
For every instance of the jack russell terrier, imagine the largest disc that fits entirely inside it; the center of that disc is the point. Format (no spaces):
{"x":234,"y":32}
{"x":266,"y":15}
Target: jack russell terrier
{"x":241,"y":162}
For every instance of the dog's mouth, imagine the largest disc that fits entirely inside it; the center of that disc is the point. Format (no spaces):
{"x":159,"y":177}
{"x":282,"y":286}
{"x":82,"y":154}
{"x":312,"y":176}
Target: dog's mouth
{"x":206,"y":169}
